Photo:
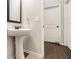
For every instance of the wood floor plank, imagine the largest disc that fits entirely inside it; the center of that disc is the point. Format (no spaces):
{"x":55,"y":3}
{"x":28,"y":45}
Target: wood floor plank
{"x":56,"y":51}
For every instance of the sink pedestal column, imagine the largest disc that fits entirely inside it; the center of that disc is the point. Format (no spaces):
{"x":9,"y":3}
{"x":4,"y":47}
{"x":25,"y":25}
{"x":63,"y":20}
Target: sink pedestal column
{"x":19,"y":47}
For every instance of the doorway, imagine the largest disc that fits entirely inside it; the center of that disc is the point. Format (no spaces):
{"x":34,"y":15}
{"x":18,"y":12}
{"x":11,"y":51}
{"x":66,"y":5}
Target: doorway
{"x":52,"y":21}
{"x":54,"y":30}
{"x":52,"y":24}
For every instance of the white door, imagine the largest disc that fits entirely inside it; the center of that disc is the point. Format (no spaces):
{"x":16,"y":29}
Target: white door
{"x":52,"y":22}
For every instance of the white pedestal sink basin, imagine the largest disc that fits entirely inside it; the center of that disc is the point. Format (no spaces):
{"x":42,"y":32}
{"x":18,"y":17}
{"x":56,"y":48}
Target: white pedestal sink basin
{"x":19,"y":34}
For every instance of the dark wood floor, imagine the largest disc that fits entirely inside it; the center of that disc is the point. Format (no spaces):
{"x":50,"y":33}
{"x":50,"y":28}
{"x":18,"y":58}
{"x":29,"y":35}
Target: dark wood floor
{"x":56,"y":51}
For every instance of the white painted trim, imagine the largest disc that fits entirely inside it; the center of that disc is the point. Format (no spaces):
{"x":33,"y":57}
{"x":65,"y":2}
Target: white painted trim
{"x":62,"y":44}
{"x":69,"y":47}
{"x":62,"y":20}
{"x":34,"y":53}
{"x":65,"y":45}
{"x":42,"y":29}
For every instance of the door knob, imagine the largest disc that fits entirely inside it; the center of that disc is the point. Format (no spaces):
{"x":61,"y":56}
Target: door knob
{"x":57,"y":26}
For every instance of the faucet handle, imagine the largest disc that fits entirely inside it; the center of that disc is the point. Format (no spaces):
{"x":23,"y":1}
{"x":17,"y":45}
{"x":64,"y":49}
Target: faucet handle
{"x":17,"y":27}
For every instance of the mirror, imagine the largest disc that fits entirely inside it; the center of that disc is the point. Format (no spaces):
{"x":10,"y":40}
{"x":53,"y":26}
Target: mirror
{"x":14,"y":8}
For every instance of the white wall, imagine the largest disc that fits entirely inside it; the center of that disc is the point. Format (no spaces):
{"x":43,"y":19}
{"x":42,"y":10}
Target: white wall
{"x":30,"y":9}
{"x":34,"y":12}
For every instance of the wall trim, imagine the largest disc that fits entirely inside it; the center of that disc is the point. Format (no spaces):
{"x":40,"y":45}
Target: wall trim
{"x":65,"y":45}
{"x":34,"y":53}
{"x":62,"y":44}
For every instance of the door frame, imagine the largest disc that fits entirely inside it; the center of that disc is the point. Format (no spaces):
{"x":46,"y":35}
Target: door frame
{"x":62,"y":21}
{"x":42,"y":23}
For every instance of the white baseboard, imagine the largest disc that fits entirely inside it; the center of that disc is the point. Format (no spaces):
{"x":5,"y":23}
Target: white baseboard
{"x":62,"y":44}
{"x":65,"y":45}
{"x":34,"y":53}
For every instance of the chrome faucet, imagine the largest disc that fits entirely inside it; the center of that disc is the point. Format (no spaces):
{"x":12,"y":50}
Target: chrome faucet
{"x":17,"y":27}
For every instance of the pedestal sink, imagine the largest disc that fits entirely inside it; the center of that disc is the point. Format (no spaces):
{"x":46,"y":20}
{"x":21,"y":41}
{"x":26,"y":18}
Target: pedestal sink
{"x":19,"y":34}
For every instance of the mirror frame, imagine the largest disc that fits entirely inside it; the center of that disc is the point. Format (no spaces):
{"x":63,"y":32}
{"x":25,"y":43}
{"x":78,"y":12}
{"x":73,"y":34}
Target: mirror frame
{"x":8,"y":13}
